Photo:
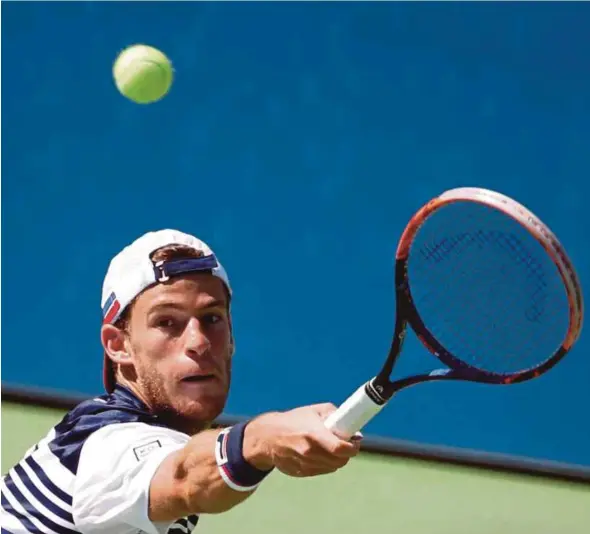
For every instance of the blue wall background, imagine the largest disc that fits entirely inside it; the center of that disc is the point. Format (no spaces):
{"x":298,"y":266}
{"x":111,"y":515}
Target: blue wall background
{"x":302,"y":135}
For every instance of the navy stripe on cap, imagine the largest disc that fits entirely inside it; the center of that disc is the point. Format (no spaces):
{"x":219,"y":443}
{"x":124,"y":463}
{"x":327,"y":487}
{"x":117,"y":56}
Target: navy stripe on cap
{"x":164,"y":270}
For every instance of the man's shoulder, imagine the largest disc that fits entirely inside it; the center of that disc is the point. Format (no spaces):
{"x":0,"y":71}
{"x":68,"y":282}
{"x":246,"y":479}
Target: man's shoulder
{"x":71,"y":433}
{"x":98,"y":412}
{"x":106,"y":409}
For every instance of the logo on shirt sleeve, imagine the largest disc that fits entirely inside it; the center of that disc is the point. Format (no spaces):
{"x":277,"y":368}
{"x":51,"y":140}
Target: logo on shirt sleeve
{"x":145,"y":450}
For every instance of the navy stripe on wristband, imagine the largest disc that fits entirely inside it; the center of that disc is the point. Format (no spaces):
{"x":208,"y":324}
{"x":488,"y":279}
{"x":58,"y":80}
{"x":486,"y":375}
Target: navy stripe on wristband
{"x":236,"y":472}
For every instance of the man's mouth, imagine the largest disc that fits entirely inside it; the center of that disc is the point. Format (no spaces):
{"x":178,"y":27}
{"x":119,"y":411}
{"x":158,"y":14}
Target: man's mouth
{"x":198,"y":378}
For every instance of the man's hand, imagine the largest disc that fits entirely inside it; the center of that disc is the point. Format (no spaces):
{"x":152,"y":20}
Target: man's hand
{"x":297,"y":443}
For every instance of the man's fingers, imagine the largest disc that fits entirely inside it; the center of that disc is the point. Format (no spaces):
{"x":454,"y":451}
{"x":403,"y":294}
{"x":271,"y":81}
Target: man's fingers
{"x":306,"y":469}
{"x":332,"y":444}
{"x":324,"y":409}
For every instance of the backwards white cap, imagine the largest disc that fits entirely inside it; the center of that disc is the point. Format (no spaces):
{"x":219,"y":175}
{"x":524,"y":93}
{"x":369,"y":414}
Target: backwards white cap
{"x":131,"y":271}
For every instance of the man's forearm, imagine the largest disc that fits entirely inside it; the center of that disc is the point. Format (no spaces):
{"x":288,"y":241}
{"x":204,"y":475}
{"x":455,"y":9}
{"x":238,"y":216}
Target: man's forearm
{"x":189,"y":480}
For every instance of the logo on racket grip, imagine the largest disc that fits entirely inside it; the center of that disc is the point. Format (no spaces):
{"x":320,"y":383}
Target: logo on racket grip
{"x":374,"y":392}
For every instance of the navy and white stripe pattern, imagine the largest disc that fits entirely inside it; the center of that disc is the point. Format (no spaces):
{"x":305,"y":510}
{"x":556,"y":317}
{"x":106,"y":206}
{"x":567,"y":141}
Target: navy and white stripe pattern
{"x":184,"y":526}
{"x":36,"y":494}
{"x":31,"y":498}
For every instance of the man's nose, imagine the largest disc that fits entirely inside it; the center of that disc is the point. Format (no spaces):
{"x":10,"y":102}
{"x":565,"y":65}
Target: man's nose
{"x":196,"y":342}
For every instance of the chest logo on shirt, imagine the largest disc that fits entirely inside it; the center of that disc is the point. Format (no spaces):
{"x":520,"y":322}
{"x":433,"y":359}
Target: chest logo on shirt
{"x":144,"y":450}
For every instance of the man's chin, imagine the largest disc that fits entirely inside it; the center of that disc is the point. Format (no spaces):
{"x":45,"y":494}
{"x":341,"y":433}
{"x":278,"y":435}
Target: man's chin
{"x":191,"y":416}
{"x":201,"y":408}
{"x":198,"y":411}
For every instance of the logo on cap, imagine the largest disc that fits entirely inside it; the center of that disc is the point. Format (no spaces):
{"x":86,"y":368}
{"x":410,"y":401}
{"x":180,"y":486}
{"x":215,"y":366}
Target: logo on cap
{"x":110,"y":309}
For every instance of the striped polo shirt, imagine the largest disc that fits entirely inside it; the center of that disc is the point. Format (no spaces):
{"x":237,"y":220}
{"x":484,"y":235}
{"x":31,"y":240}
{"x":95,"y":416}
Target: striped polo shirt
{"x":91,"y":473}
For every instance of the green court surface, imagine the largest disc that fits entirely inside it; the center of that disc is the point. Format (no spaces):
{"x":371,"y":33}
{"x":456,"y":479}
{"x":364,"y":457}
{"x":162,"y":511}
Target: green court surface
{"x":373,"y":492}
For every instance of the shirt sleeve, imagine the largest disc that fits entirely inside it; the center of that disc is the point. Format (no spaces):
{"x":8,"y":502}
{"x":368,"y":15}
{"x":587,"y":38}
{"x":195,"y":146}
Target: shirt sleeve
{"x":116,"y":466}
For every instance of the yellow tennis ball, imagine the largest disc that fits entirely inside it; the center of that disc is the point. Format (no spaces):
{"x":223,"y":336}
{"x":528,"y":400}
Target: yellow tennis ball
{"x":143,"y":74}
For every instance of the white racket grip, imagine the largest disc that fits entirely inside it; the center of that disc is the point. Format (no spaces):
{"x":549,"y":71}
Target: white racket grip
{"x":353,"y":414}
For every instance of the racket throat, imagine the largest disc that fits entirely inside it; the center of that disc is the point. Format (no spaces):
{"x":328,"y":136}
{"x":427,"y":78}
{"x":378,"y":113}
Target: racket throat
{"x":378,"y":391}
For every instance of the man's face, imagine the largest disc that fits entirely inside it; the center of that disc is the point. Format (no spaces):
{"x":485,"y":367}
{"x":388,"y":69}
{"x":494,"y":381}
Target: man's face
{"x":180,"y":341}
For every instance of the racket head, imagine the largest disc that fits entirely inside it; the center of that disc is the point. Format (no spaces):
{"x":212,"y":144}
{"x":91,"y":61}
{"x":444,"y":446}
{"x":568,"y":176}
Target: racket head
{"x":507,"y":303}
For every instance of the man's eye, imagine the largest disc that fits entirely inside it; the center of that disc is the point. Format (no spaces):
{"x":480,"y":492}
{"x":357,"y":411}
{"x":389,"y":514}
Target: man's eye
{"x":212,"y":318}
{"x":165,"y":322}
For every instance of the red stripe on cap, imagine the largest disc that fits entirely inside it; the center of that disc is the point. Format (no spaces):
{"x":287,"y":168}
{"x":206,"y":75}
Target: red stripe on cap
{"x":114,"y":309}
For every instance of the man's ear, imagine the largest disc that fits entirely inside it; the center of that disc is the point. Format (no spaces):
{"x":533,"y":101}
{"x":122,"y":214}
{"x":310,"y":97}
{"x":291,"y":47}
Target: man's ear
{"x":113,"y":342}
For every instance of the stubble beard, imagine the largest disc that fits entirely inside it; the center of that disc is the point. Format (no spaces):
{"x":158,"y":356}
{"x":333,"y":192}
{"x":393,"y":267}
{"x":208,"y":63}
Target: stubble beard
{"x":180,"y":415}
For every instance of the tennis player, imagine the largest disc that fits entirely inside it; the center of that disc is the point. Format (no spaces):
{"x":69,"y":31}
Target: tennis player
{"x":143,"y":457}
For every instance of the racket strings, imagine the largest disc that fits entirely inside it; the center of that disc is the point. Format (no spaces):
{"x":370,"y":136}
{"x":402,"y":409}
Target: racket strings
{"x":470,"y":347}
{"x":489,"y":319}
{"x":487,"y":290}
{"x":535,"y":272}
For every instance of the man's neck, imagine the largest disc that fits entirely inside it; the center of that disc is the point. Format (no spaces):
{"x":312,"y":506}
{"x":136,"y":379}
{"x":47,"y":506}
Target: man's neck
{"x":167,"y":416}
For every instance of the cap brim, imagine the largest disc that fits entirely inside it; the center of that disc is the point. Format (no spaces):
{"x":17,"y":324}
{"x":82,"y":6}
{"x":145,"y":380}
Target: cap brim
{"x":108,"y":374}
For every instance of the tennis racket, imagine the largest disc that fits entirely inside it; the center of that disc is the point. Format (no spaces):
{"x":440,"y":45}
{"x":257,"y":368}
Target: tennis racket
{"x":486,"y":287}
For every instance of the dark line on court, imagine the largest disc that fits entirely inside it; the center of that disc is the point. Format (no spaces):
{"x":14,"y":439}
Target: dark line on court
{"x":371,"y":444}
